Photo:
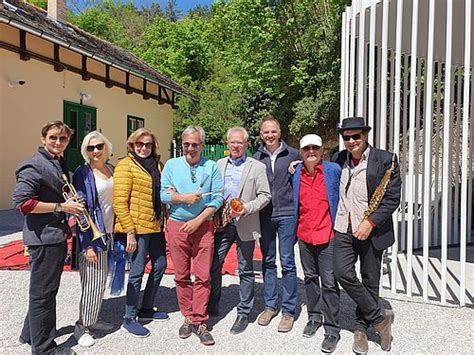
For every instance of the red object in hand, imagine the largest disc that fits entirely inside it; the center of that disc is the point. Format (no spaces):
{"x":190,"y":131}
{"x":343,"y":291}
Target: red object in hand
{"x":237,"y":205}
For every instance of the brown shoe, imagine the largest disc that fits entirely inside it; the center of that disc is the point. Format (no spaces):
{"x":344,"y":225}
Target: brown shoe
{"x":384,"y":330}
{"x":203,"y":333}
{"x":286,"y":323}
{"x":266,"y":316}
{"x":360,"y":345}
{"x":186,"y":328}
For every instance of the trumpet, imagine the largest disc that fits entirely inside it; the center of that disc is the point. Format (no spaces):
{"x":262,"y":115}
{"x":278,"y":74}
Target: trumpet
{"x":84,"y":220}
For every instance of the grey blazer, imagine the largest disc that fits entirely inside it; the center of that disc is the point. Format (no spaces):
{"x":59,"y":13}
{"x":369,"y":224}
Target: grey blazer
{"x":40,"y":177}
{"x":255,"y":192}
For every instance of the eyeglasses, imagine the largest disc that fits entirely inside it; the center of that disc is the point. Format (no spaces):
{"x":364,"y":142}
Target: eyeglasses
{"x":193,"y":175}
{"x":62,"y":139}
{"x":91,"y":148}
{"x":311,"y":147}
{"x":186,"y":145}
{"x":354,"y":137}
{"x":140,"y":145}
{"x":237,"y":144}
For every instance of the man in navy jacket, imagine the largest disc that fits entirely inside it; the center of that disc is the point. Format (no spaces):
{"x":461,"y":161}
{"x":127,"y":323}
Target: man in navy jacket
{"x":316,"y":195}
{"x":277,"y":219}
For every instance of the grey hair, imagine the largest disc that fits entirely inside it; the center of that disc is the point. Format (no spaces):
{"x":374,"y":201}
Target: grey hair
{"x":238,"y":129}
{"x":87,"y":139}
{"x":193,"y":129}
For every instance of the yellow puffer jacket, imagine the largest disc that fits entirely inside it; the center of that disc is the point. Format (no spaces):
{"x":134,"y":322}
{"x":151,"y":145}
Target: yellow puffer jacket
{"x":133,"y":198}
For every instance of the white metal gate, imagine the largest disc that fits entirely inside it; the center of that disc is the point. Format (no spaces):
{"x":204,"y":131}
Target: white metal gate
{"x":406,"y":65}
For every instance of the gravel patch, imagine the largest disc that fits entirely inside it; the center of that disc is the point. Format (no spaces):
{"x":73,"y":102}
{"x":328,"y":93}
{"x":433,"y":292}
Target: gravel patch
{"x":418,"y":328}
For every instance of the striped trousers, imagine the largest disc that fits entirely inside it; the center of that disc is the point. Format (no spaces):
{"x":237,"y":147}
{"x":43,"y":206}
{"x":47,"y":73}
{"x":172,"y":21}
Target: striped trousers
{"x":93,"y":283}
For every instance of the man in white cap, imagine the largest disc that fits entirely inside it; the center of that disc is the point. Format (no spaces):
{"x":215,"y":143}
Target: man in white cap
{"x":316,"y":195}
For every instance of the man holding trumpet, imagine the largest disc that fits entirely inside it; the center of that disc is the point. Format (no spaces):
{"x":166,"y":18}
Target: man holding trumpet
{"x":38,"y":196}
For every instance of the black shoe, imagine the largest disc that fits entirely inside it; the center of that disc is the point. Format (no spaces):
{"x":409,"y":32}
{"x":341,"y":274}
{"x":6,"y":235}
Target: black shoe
{"x":311,"y":328}
{"x":22,"y":340}
{"x":186,"y":329}
{"x":240,"y":324}
{"x":329,"y":343}
{"x":203,"y":333}
{"x":61,"y":350}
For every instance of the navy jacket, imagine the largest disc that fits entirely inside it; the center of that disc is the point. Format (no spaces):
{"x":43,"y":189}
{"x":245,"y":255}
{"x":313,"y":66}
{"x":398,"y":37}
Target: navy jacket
{"x":40,"y":177}
{"x":332,"y":177}
{"x":84,"y":182}
{"x":280,"y":184}
{"x":379,"y":161}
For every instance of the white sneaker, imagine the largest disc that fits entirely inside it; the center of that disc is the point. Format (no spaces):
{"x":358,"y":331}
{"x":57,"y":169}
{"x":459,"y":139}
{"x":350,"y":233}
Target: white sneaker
{"x":83,"y":337}
{"x":101,"y":326}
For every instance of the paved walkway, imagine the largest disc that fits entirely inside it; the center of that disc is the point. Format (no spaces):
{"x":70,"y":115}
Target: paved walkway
{"x":418,"y":328}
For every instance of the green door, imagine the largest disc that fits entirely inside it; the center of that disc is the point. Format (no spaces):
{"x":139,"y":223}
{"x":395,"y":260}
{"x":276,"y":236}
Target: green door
{"x":82,"y":119}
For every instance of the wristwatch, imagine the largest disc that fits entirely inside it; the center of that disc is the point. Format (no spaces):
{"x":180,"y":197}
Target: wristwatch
{"x":58,"y":207}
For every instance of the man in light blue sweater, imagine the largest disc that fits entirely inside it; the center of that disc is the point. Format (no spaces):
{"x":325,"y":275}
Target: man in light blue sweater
{"x":192,"y":186}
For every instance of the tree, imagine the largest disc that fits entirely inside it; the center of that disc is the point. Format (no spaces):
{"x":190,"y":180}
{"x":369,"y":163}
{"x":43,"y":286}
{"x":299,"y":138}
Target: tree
{"x":171,"y":12}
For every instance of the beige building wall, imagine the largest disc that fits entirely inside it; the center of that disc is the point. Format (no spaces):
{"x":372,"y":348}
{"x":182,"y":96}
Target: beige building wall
{"x":24,"y":109}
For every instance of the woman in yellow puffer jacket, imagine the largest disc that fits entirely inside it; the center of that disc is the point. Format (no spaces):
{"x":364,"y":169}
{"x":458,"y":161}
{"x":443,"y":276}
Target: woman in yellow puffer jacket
{"x":138,"y":212}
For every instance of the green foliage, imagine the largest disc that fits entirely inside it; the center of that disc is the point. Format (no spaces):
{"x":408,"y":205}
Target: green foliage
{"x":43,"y":4}
{"x":243,"y":58}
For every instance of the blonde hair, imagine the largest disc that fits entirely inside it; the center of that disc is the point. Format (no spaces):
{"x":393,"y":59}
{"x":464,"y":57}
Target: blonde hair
{"x":87,"y":139}
{"x":135,"y":136}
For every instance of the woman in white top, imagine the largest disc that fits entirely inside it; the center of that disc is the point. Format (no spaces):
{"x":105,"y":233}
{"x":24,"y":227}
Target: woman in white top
{"x":94,"y":183}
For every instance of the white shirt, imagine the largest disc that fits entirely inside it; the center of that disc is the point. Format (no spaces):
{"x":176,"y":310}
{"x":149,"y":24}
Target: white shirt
{"x":273,"y":156}
{"x":105,"y":191}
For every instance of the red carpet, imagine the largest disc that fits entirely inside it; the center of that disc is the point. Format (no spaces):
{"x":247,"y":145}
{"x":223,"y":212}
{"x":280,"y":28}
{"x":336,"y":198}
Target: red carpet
{"x":12,"y":258}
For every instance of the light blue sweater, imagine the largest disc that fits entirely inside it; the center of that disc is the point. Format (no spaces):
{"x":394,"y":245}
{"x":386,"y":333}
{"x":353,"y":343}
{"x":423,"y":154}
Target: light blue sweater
{"x":178,"y":173}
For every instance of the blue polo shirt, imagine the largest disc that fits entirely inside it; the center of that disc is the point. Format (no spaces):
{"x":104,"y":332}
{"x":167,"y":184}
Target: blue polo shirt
{"x":232,"y":176}
{"x":203,"y":177}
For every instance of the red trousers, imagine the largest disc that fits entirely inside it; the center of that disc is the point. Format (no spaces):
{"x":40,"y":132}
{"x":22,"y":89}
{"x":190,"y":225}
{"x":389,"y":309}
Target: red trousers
{"x":197,"y":247}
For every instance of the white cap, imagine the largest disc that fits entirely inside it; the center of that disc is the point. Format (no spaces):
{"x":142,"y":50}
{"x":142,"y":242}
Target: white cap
{"x":311,"y":139}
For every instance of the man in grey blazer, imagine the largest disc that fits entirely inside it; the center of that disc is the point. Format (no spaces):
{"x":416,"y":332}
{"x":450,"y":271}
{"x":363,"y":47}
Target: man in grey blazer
{"x":245,"y":179}
{"x":38,"y":196}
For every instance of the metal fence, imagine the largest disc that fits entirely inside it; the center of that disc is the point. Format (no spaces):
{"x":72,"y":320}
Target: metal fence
{"x":406,"y":65}
{"x":210,"y":151}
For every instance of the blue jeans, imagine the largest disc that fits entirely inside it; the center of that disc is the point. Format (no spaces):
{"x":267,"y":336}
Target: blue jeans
{"x":284,"y":227}
{"x":147,"y":244}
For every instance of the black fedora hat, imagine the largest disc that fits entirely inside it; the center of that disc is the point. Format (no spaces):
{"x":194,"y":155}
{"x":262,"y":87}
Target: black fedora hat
{"x":353,"y":123}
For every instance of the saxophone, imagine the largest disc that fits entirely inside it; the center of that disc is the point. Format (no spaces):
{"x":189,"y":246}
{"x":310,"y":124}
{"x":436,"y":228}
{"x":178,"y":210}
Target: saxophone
{"x":379,"y":192}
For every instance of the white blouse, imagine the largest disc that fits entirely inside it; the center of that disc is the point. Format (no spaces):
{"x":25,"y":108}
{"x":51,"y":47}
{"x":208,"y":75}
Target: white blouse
{"x":105,"y":191}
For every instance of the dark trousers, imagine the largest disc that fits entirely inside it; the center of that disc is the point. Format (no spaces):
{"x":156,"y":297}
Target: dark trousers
{"x":365,"y":294}
{"x":46,"y":266}
{"x":322,"y":298}
{"x":223,"y":241}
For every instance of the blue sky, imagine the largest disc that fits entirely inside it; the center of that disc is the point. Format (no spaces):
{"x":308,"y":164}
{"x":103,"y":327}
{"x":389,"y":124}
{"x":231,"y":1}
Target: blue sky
{"x":183,"y":5}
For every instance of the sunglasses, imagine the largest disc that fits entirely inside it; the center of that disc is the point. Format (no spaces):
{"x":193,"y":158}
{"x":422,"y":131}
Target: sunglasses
{"x":140,"y":145}
{"x":193,"y":175}
{"x":91,"y":148}
{"x":354,"y":137}
{"x":62,"y":139}
{"x":186,"y":145}
{"x":311,"y":147}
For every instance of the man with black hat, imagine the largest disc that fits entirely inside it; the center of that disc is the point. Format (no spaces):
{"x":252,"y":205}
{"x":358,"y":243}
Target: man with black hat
{"x":364,"y":227}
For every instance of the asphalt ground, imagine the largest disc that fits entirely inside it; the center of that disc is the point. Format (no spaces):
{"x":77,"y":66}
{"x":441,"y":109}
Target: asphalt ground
{"x":419,"y":328}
